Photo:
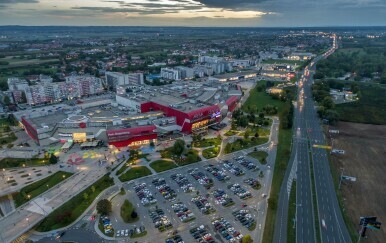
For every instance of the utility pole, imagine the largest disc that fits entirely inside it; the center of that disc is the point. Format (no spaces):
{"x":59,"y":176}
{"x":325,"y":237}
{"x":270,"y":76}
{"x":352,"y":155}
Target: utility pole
{"x":340,"y":178}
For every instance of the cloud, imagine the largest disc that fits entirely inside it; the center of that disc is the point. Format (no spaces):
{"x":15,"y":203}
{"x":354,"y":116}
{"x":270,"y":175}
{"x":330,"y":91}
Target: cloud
{"x":17,"y":1}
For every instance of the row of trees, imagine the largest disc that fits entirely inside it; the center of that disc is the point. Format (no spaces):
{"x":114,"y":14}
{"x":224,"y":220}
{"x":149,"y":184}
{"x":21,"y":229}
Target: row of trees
{"x":321,"y":94}
{"x":363,"y":63}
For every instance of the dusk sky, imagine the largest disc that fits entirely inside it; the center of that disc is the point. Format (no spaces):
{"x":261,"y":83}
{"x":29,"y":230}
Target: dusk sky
{"x":243,"y":13}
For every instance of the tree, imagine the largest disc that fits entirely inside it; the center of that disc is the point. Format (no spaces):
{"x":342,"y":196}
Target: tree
{"x":256,"y":134}
{"x":246,"y":239}
{"x":178,"y":147}
{"x":85,"y":196}
{"x":23,"y":97}
{"x":7,"y":100}
{"x":93,"y":189}
{"x":53,"y":159}
{"x":332,"y":116}
{"x":151,"y":144}
{"x":104,"y":207}
{"x":328,"y":103}
{"x":261,"y":115}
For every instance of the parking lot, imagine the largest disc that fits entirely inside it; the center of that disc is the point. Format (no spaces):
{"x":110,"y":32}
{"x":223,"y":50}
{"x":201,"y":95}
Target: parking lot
{"x":187,"y":201}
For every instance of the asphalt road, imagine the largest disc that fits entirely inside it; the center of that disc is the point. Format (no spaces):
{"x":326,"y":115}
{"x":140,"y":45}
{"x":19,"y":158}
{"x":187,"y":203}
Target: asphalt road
{"x":334,"y":228}
{"x":308,"y":132}
{"x":75,"y":235}
{"x":299,"y":169}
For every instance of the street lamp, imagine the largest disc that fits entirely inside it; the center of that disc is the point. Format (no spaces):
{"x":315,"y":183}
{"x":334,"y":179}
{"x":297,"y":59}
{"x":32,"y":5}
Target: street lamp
{"x":28,"y":221}
{"x":29,"y":197}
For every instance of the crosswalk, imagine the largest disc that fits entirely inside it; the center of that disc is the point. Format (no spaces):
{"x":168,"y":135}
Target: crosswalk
{"x":22,"y":239}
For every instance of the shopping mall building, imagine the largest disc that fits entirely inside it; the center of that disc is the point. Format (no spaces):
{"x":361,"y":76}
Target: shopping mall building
{"x":137,"y":115}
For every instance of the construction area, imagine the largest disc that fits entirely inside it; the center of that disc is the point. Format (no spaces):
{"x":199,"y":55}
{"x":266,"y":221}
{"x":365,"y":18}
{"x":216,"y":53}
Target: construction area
{"x":364,"y":159}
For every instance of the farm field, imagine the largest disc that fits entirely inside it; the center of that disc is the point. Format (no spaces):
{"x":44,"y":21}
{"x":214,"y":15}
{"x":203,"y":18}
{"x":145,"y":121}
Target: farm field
{"x":364,"y":159}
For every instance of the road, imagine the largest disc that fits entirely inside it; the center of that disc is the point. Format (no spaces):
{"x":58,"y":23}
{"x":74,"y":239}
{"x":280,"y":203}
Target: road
{"x":308,"y":132}
{"x":334,"y":228}
{"x":28,"y":215}
{"x":76,"y":235}
{"x":299,"y":169}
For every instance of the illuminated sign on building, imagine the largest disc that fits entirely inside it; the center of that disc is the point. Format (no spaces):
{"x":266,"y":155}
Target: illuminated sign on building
{"x":215,"y":114}
{"x":79,"y":137}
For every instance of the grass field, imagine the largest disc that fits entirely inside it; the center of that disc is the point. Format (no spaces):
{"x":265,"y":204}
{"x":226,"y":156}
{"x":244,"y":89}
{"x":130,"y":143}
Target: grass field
{"x":282,"y":158}
{"x":134,"y":173}
{"x":16,"y":162}
{"x":231,"y":133}
{"x":162,"y":165}
{"x":260,"y":155}
{"x":241,"y":144}
{"x":258,"y":100}
{"x":72,"y":209}
{"x":190,"y":156}
{"x":17,"y":62}
{"x":211,"y":152}
{"x":126,"y":212}
{"x":291,"y":231}
{"x":35,"y":189}
{"x":207,"y":142}
{"x":370,"y":109}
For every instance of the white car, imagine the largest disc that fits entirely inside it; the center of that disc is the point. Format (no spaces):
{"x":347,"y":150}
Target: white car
{"x":126,"y":232}
{"x":118,"y":234}
{"x":324,"y":224}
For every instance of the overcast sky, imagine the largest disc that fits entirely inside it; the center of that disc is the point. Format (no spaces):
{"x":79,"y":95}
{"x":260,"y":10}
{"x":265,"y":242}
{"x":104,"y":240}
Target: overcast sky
{"x":248,"y":13}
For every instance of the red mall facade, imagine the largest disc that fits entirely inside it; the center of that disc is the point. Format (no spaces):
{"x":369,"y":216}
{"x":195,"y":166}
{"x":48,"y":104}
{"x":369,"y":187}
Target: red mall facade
{"x":190,"y":121}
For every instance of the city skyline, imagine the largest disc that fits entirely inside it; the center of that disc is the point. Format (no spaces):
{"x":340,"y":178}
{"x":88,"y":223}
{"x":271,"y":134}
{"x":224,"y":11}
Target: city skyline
{"x":211,"y":13}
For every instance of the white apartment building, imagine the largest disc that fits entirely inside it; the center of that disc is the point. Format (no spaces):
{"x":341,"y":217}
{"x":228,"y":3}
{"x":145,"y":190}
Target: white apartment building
{"x":170,"y":73}
{"x":115,"y":79}
{"x":186,"y":72}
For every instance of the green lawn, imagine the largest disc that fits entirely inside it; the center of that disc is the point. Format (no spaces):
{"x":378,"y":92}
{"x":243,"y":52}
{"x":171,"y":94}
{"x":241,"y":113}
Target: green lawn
{"x":126,"y":212}
{"x":211,"y":152}
{"x":231,"y":133}
{"x":241,"y":144}
{"x":122,"y":169}
{"x":134,"y":173}
{"x":260,"y":155}
{"x":371,"y":107}
{"x":72,"y":209}
{"x":142,"y":234}
{"x":291,"y":231}
{"x":162,"y":165}
{"x":17,"y":62}
{"x":258,"y":100}
{"x":16,"y":162}
{"x":282,"y":158}
{"x":38,"y":187}
{"x":188,"y":157}
{"x":207,"y":142}
{"x":263,"y":132}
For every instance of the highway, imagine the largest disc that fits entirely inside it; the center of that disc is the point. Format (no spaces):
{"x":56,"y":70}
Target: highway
{"x":308,"y":132}
{"x":331,"y":224}
{"x":299,"y":169}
